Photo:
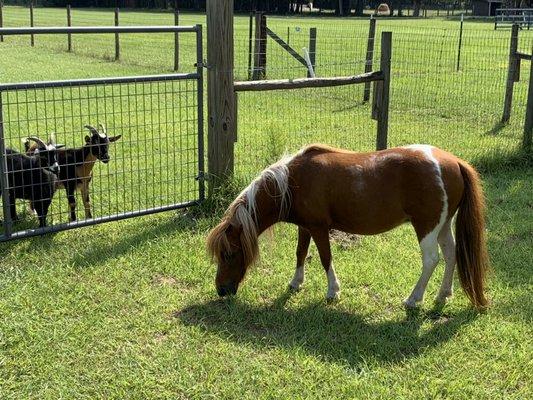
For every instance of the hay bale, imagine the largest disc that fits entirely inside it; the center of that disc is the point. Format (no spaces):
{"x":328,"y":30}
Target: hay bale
{"x":383,"y":9}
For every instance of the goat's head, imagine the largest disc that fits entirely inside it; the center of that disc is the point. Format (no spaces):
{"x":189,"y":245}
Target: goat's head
{"x":98,"y":142}
{"x":46,"y":153}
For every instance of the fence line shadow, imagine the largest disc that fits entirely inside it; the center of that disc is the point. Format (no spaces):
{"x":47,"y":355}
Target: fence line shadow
{"x":324,"y":331}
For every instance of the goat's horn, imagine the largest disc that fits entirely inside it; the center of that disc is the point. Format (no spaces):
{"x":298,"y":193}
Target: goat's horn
{"x":91,"y":128}
{"x":52,"y":139}
{"x":104,"y":130}
{"x":38,"y":141}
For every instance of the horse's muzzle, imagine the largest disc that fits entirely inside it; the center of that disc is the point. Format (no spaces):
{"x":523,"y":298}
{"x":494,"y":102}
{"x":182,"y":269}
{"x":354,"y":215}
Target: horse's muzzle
{"x":227,"y":289}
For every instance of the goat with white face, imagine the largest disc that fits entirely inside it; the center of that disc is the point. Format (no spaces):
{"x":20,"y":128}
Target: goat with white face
{"x":76,"y":166}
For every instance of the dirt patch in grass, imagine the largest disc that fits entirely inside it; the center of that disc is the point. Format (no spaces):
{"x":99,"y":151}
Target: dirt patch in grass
{"x":162,"y":280}
{"x":344,"y":240}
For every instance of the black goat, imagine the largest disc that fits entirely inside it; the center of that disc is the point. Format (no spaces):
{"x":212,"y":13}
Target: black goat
{"x":33,"y":178}
{"x":76,"y":166}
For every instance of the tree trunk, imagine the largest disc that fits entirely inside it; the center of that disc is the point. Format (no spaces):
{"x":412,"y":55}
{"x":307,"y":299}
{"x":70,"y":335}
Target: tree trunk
{"x":416,"y":8}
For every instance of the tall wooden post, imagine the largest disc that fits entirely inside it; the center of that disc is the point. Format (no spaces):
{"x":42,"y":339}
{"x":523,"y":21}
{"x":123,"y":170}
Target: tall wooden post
{"x":1,"y":19}
{"x":511,"y":75}
{"x":260,"y":56}
{"x":176,"y":37}
{"x":380,"y":109}
{"x":250,"y":44}
{"x":369,"y":55}
{"x":117,"y":38}
{"x":32,"y":39}
{"x":528,"y":125}
{"x":312,"y":50}
{"x":221,"y":107}
{"x":69,"y":23}
{"x":460,"y":43}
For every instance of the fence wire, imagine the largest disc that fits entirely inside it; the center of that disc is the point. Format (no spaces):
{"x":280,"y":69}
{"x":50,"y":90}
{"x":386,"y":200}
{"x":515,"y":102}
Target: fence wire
{"x":438,"y":96}
{"x":154,"y":164}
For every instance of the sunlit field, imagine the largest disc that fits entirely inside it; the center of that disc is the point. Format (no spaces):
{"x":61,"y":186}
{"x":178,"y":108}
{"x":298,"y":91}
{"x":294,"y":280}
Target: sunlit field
{"x":129,"y":309}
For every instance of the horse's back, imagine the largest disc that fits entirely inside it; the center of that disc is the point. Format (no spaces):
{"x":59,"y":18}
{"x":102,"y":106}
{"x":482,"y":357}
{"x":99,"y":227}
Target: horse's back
{"x":375,"y":191}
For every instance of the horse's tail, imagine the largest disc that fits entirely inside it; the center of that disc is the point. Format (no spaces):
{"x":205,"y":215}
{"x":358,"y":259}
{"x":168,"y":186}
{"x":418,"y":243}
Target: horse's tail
{"x":471,"y":250}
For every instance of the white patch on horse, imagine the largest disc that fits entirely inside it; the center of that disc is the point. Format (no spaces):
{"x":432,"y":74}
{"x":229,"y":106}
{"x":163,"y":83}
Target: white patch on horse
{"x":429,"y":244}
{"x":298,"y":278}
{"x":334,"y":286}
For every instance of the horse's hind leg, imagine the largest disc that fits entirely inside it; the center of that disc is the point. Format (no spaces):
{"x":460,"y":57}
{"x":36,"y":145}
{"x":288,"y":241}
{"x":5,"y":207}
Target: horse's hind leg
{"x":447,"y":245}
{"x":430,"y":258}
{"x":321,"y":238}
{"x":304,"y":237}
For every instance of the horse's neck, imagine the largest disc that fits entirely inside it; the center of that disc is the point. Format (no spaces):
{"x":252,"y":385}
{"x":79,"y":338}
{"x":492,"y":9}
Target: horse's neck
{"x":267,"y":211}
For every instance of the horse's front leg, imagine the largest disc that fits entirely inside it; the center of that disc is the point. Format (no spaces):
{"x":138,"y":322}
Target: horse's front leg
{"x":304,"y":238}
{"x":321,"y":238}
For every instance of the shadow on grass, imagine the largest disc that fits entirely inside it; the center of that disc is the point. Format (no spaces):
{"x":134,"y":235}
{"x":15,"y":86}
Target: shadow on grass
{"x":99,"y":252}
{"x":325,"y":331}
{"x":499,"y":162}
{"x":498,"y":126}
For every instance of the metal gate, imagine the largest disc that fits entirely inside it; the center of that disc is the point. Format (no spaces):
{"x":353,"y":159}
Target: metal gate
{"x":133,"y":145}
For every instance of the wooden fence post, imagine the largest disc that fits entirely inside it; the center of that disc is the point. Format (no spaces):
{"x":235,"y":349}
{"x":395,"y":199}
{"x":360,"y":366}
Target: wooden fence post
{"x":260,"y":56}
{"x":221,"y":107}
{"x":250,"y":44}
{"x":1,"y":19}
{"x":32,"y":39}
{"x":511,"y":75}
{"x":176,"y":37}
{"x":382,"y":113}
{"x":69,"y":23}
{"x":117,"y":39}
{"x":460,"y":43}
{"x":312,"y":50}
{"x":369,"y":54}
{"x":528,"y":125}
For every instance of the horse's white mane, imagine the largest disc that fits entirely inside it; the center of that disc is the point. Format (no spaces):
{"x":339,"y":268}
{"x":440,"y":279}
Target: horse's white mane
{"x":243,"y":211}
{"x":277,"y":173}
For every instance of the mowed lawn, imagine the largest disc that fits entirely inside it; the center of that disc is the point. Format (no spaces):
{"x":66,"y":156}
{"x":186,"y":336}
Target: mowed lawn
{"x":129,"y":309}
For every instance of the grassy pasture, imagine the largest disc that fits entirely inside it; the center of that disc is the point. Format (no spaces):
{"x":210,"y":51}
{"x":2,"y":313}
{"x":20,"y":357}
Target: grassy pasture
{"x":128,"y":309}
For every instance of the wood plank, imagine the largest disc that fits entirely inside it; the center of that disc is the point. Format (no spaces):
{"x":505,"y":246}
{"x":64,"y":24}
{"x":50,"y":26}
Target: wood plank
{"x":383,"y":111}
{"x":511,"y":75}
{"x":221,"y":105}
{"x":528,"y":125}
{"x":288,"y":48}
{"x":369,"y":55}
{"x":300,"y":83}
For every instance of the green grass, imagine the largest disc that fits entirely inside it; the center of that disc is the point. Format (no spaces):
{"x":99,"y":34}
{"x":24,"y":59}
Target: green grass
{"x":129,"y":310}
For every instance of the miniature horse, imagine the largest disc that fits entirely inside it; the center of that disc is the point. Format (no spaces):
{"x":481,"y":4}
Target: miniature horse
{"x":322,"y":188}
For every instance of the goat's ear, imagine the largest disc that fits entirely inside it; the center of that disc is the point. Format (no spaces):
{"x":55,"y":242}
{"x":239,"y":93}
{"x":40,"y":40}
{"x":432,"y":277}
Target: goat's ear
{"x":87,"y":139}
{"x":59,"y":146}
{"x":114,"y":138}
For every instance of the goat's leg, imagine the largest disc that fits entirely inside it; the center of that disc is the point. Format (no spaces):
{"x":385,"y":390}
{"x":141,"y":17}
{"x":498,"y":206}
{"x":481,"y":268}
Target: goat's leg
{"x":86,"y":200}
{"x":70,"y":187}
{"x":321,"y":238}
{"x":41,"y":213}
{"x":13,"y":206}
{"x":304,"y":238}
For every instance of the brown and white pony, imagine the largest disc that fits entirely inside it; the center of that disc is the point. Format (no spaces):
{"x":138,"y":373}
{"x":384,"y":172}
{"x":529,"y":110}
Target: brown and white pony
{"x":322,"y":188}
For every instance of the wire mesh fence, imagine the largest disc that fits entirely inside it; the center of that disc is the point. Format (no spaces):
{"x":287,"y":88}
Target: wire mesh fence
{"x":445,"y":90}
{"x":132,"y":146}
